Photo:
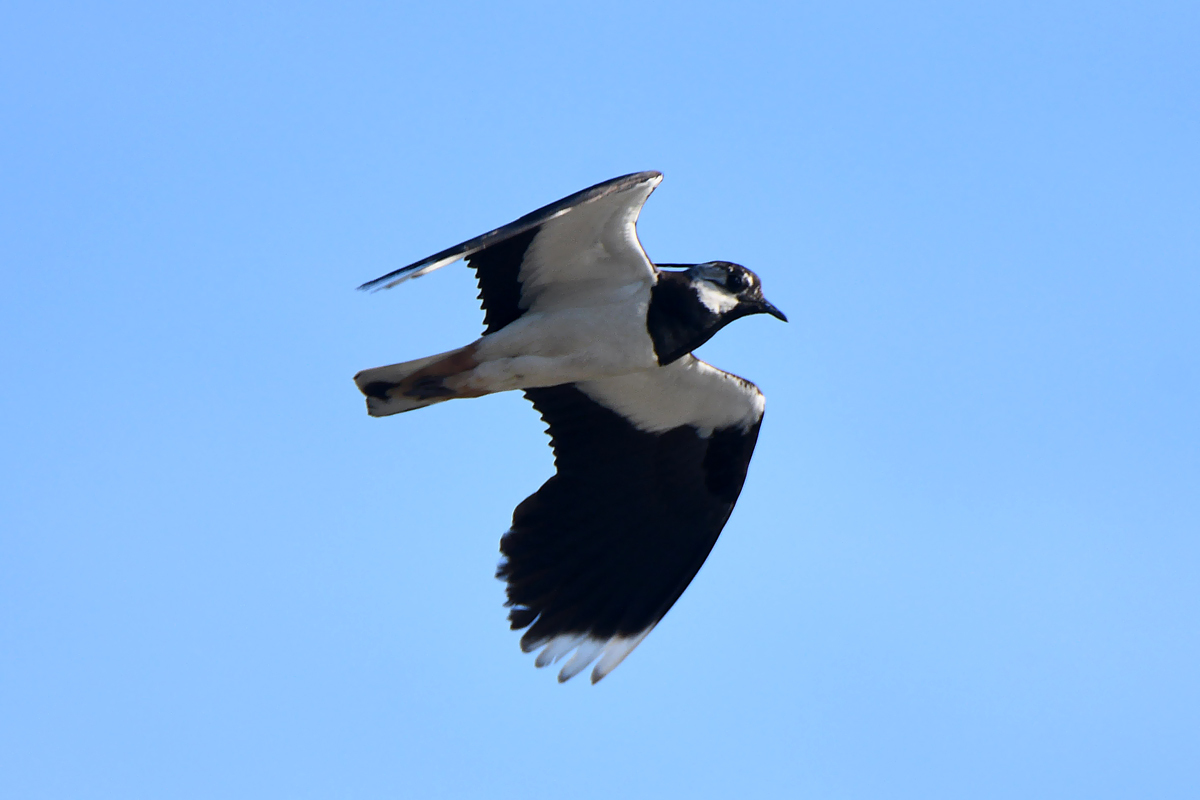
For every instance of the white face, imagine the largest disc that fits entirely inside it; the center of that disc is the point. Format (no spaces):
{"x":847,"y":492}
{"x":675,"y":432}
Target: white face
{"x":711,"y":288}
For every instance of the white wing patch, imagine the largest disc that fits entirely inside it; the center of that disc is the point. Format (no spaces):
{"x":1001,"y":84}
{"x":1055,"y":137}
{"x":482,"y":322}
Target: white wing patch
{"x":685,"y":392}
{"x":594,"y":227}
{"x":611,"y":651}
{"x":590,"y":256}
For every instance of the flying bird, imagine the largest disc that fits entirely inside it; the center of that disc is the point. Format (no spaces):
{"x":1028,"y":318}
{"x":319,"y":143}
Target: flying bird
{"x":651,"y":444}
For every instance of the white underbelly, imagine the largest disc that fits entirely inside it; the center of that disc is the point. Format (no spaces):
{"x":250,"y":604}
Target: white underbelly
{"x":564,"y":346}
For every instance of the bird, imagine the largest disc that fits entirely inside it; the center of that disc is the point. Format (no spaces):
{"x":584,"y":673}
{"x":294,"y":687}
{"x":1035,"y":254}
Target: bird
{"x":651,"y":445}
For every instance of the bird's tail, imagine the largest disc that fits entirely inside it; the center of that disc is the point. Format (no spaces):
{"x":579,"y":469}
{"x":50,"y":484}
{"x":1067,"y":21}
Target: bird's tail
{"x":413,"y":384}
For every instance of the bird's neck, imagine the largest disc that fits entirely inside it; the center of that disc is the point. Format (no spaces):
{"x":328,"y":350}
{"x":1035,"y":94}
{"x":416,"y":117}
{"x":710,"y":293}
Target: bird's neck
{"x":678,"y":321}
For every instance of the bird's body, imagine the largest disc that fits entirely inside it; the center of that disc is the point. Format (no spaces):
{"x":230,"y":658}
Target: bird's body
{"x":651,"y":444}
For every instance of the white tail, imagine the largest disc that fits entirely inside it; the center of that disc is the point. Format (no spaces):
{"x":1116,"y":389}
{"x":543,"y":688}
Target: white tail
{"x":377,"y":383}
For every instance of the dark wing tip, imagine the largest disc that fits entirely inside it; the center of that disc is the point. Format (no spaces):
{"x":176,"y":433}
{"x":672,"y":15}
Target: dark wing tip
{"x":598,"y":555}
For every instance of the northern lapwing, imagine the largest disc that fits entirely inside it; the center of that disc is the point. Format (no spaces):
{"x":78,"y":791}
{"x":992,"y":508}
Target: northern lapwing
{"x":651,"y":444}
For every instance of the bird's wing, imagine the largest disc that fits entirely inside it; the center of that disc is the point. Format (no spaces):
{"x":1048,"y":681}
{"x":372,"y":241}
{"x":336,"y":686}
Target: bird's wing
{"x":580,"y":250}
{"x":649,"y":467}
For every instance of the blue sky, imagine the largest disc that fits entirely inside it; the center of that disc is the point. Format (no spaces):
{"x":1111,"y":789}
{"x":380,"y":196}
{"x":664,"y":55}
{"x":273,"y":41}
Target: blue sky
{"x":965,"y":562}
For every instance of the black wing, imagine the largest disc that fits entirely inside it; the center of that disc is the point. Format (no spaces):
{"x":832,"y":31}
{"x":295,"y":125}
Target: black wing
{"x":498,"y":271}
{"x":602,"y":551}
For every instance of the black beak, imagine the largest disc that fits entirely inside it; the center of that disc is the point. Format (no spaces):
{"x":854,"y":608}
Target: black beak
{"x":767,"y":308}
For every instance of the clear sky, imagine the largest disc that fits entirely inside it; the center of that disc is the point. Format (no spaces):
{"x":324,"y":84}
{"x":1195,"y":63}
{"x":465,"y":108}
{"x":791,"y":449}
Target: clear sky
{"x":966,"y":563}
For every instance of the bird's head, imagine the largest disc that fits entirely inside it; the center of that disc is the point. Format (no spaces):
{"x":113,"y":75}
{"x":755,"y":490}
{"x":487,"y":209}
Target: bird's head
{"x":689,"y":306}
{"x":730,"y":290}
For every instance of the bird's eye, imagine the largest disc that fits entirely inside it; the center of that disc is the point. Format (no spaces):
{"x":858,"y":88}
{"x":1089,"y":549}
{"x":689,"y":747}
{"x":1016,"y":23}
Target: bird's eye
{"x":736,"y":282}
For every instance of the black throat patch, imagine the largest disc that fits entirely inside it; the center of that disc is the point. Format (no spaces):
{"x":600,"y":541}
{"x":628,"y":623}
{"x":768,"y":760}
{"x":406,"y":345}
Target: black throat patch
{"x":677,"y":320}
